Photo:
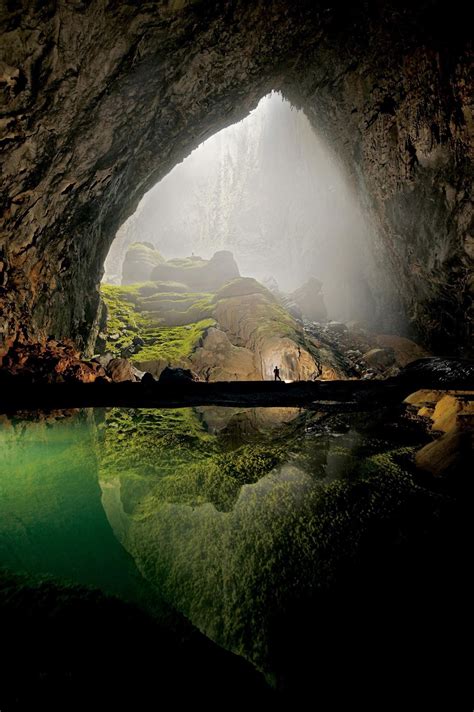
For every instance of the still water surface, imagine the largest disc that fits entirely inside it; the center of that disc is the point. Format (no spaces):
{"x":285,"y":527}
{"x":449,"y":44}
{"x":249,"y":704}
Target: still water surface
{"x":232,"y":517}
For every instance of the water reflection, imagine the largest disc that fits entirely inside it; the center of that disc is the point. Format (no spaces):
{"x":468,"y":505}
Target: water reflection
{"x":238,"y":515}
{"x":51,"y":519}
{"x":239,"y":519}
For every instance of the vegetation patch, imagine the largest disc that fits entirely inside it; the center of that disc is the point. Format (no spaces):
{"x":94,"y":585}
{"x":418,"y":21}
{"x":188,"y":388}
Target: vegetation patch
{"x":131,"y":327}
{"x":172,"y":343}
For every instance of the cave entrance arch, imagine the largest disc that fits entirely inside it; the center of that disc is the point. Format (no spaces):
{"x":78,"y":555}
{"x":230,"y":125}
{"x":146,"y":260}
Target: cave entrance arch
{"x":100,"y":104}
{"x":268,"y":190}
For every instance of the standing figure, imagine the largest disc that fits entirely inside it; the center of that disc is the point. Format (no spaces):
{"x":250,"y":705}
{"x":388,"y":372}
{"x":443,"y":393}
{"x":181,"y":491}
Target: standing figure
{"x":276,"y":371}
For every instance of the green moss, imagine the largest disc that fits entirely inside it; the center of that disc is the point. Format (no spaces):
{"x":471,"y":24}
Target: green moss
{"x":168,"y":456}
{"x":144,"y":250}
{"x":391,"y":463}
{"x":178,"y":309}
{"x":127,"y":319}
{"x":123,"y":318}
{"x":172,"y":343}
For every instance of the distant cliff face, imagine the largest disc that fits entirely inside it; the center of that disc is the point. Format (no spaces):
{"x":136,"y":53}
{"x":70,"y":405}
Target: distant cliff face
{"x":98,"y":104}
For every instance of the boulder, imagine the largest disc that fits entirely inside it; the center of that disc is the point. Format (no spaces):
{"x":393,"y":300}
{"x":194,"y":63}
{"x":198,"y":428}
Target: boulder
{"x":198,"y":274}
{"x":425,"y":397}
{"x":309,"y":299}
{"x":140,"y":260}
{"x":448,"y":372}
{"x":405,"y":350}
{"x":148,"y":379}
{"x":219,"y":360}
{"x":448,"y":456}
{"x":452,"y":411}
{"x":119,"y":370}
{"x":176,"y":375}
{"x":51,"y":361}
{"x":379,"y":358}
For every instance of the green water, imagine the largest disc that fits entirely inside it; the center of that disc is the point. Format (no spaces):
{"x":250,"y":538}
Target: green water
{"x":234,"y":518}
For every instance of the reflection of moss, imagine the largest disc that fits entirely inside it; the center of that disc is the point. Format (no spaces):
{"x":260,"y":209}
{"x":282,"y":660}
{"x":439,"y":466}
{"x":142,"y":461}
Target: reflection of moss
{"x":236,"y":574}
{"x":180,"y":461}
{"x":63,"y":625}
{"x":390,"y":462}
{"x":152,"y":442}
{"x":238,"y":561}
{"x":217,"y":479}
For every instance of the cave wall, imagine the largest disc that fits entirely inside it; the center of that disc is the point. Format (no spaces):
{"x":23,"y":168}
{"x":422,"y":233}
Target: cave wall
{"x":101,"y":99}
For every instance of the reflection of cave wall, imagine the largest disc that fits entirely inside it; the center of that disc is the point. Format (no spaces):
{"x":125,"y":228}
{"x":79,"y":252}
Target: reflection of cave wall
{"x":99,"y":105}
{"x":51,"y":518}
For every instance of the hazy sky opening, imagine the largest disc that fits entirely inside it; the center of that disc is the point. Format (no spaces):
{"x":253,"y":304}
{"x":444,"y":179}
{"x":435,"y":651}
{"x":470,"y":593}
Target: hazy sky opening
{"x":269,"y":190}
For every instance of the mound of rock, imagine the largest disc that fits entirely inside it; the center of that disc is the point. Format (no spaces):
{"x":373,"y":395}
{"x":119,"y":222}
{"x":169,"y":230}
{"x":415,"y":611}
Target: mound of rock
{"x":140,"y":260}
{"x":241,"y":287}
{"x":120,"y":370}
{"x":252,"y":319}
{"x":450,"y":413}
{"x":404,"y":350}
{"x":309,"y":301}
{"x":219,"y":360}
{"x":198,"y":274}
{"x":363,"y":354}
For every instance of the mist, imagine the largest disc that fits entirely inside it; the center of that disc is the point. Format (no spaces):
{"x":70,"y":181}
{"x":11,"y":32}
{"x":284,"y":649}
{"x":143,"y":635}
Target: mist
{"x":269,"y":190}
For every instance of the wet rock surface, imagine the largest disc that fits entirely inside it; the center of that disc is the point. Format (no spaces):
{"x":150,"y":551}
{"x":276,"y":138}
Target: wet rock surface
{"x":98,"y":106}
{"x":449,"y":416}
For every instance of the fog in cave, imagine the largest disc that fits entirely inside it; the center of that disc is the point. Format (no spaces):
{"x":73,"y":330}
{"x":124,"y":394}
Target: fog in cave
{"x":269,"y":190}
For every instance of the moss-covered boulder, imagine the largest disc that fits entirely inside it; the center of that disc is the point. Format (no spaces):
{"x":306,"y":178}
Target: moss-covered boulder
{"x":241,"y":287}
{"x":199,"y":274}
{"x":165,"y":321}
{"x":141,"y":334}
{"x":140,"y":260}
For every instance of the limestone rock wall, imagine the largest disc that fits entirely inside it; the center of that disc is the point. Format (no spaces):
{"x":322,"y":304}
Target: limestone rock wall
{"x":99,"y":101}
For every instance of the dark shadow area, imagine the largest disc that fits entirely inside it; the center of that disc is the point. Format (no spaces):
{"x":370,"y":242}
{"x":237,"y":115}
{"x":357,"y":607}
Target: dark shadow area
{"x":69,"y":647}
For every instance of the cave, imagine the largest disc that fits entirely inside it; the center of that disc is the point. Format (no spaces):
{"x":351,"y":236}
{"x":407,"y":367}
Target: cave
{"x":269,"y":533}
{"x":99,"y":103}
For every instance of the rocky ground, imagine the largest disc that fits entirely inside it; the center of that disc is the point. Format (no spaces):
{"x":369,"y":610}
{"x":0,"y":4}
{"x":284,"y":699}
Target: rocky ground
{"x":201,"y":314}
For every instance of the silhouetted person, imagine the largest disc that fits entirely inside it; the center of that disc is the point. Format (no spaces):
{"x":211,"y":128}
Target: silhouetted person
{"x":276,"y":371}
{"x":299,"y":352}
